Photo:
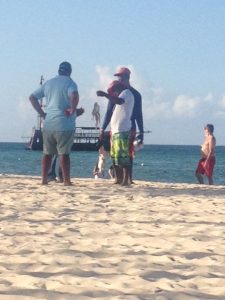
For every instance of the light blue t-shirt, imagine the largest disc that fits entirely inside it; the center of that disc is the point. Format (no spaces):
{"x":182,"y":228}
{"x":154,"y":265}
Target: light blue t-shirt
{"x":56,"y":92}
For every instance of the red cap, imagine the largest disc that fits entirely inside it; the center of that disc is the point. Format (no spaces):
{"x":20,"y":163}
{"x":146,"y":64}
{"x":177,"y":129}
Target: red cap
{"x":122,"y":71}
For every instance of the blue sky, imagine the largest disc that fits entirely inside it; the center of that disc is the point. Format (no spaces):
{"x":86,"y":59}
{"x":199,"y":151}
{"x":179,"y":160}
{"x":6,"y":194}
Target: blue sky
{"x":174,"y":48}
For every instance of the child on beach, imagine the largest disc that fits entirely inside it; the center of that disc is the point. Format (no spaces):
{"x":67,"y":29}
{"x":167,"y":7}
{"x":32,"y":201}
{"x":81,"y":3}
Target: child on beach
{"x":103,"y":153}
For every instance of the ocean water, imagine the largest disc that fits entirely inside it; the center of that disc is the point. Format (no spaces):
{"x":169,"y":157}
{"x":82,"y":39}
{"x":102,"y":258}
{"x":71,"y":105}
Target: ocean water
{"x":160,"y":163}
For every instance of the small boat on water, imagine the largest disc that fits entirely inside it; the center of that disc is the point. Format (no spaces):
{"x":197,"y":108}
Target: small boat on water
{"x":85,"y":139}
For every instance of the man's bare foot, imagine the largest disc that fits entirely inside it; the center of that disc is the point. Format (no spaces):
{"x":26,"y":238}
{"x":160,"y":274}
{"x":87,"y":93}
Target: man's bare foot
{"x":117,"y":182}
{"x":124,"y":183}
{"x":68,"y":183}
{"x":44,"y":182}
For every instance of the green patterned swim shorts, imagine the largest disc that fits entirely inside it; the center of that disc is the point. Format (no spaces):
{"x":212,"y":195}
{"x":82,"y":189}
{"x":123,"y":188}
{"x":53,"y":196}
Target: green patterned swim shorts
{"x":120,"y":149}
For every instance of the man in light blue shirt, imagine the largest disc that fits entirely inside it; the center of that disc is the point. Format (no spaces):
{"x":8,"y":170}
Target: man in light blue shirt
{"x":62,"y":97}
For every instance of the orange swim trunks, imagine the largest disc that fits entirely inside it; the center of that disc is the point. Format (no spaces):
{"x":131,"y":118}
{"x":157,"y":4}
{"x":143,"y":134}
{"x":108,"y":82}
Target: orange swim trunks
{"x":208,"y":171}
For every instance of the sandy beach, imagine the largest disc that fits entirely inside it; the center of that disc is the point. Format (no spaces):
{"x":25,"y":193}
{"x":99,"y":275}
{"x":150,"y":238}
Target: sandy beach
{"x":96,"y":240}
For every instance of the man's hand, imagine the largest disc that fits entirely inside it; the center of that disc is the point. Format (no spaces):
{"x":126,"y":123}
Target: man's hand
{"x":68,"y":112}
{"x":79,"y":111}
{"x":43,"y":115}
{"x":141,"y":137}
{"x":101,"y":94}
{"x":206,"y":163}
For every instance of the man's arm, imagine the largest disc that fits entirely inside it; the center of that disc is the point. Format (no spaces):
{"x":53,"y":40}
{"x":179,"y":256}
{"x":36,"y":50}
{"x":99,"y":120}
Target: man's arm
{"x":108,"y":115}
{"x":139,"y":120}
{"x":137,"y":115}
{"x":113,"y":99}
{"x":107,"y":119}
{"x":74,"y":100}
{"x":212,"y":145}
{"x":36,"y":105}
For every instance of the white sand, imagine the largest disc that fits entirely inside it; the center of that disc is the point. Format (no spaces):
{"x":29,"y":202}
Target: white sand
{"x":96,"y":240}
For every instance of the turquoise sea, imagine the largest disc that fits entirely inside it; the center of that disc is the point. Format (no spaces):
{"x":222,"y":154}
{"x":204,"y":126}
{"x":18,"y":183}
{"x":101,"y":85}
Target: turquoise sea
{"x":162,"y":163}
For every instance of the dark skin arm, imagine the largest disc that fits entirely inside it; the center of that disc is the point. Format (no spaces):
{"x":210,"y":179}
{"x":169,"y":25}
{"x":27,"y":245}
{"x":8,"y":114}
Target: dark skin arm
{"x":113,"y":99}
